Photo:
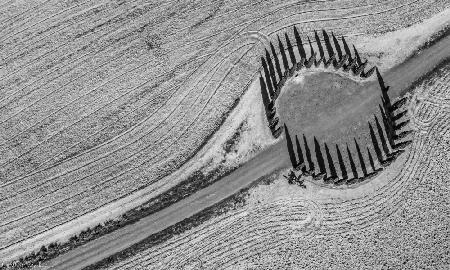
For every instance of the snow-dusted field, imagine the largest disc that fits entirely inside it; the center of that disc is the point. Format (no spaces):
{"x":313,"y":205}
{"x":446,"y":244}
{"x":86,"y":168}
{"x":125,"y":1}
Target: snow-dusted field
{"x":103,"y":103}
{"x":397,"y":221}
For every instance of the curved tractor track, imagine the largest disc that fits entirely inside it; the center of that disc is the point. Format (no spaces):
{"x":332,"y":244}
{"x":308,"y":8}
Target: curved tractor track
{"x":100,"y":99}
{"x":268,"y":161}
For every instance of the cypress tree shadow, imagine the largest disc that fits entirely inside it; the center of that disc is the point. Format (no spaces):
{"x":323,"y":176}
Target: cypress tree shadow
{"x":300,"y":64}
{"x":398,"y":104}
{"x":344,"y":175}
{"x":358,"y":69}
{"x":337,"y":46}
{"x":387,"y":113}
{"x":276,"y":132}
{"x":277,"y":62}
{"x":267,"y":76}
{"x":271,"y":71}
{"x":351,"y":65}
{"x":341,"y":63}
{"x":326,"y":39}
{"x":346,"y":49}
{"x":312,"y":58}
{"x":319,"y":158}
{"x":371,"y":162}
{"x":386,"y":105}
{"x":352,"y":166}
{"x":265,"y":96}
{"x":401,"y":124}
{"x":283,"y":54}
{"x":301,"y":49}
{"x":383,"y":86}
{"x":351,"y":61}
{"x":333,"y":174}
{"x":389,"y":155}
{"x":337,"y":62}
{"x":357,"y":57}
{"x":290,"y":147}
{"x":368,"y":73}
{"x":403,"y":144}
{"x":402,"y":135}
{"x":361,"y":159}
{"x":382,"y":138}
{"x":321,"y":52}
{"x":388,"y":127}
{"x":400,"y":115}
{"x":301,"y":161}
{"x":308,"y":156}
{"x":376,"y":147}
{"x":290,"y":50}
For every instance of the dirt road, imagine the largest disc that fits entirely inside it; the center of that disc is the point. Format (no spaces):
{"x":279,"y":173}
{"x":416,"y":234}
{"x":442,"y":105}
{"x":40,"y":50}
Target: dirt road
{"x":399,"y":78}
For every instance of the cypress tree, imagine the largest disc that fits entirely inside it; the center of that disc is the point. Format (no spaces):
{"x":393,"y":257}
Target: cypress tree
{"x":337,"y":46}
{"x":290,"y":148}
{"x":333,"y":173}
{"x":299,"y":151}
{"x":372,"y":164}
{"x":271,"y":70}
{"x":326,"y":39}
{"x":283,"y":54}
{"x":277,"y":62}
{"x":352,"y":164}
{"x":361,"y":158}
{"x":267,"y":76}
{"x":341,"y":164}
{"x":319,"y":44}
{"x":290,"y":50}
{"x":308,"y":155}
{"x":382,"y":138}
{"x":300,"y":48}
{"x":346,"y":49}
{"x":319,"y":157}
{"x":265,"y":96}
{"x":375,"y":144}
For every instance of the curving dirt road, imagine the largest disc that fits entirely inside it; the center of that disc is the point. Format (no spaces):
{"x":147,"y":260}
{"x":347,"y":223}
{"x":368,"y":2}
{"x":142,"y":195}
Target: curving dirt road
{"x":399,"y":78}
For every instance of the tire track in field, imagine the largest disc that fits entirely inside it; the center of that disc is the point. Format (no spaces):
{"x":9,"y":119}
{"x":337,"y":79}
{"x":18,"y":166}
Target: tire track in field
{"x":37,"y":101}
{"x":25,"y":11}
{"x":60,"y":201}
{"x":385,"y":200}
{"x":74,"y":36}
{"x":7,"y":36}
{"x":191,"y":244}
{"x":400,"y":184}
{"x":198,"y":116}
{"x":197,"y":97}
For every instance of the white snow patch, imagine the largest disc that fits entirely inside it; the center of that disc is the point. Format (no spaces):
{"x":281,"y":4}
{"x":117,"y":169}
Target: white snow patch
{"x":248,"y":117}
{"x":392,"y":48}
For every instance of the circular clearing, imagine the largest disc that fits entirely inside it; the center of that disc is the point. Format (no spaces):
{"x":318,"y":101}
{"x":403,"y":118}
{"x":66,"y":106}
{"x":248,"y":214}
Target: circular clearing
{"x":326,"y":105}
